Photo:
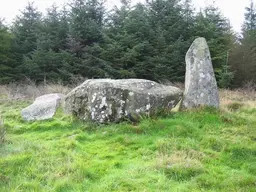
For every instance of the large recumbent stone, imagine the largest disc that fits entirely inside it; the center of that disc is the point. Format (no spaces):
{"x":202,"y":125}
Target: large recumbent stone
{"x":108,"y":100}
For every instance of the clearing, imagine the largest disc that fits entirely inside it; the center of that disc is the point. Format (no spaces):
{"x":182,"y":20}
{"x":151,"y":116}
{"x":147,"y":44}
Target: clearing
{"x":201,"y":150}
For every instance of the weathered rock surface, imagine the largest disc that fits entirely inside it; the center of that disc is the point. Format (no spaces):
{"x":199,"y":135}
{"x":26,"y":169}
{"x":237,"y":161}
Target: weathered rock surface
{"x":44,"y":107}
{"x":107,"y":100}
{"x":200,"y":84}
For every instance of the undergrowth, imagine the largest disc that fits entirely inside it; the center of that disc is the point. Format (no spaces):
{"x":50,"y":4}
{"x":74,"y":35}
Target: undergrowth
{"x":201,"y":150}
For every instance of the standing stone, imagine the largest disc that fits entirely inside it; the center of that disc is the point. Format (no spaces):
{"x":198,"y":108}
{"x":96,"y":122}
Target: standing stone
{"x":44,"y":107}
{"x":108,"y":100}
{"x":200,"y":83}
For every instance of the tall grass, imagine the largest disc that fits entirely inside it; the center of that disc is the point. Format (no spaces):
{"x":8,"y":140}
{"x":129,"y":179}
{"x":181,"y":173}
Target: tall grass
{"x":30,"y":91}
{"x":2,"y":131}
{"x":244,"y":97}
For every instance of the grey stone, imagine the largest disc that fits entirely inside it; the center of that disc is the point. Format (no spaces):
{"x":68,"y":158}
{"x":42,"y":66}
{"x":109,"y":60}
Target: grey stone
{"x":108,"y":100}
{"x":44,"y":107}
{"x":200,"y":83}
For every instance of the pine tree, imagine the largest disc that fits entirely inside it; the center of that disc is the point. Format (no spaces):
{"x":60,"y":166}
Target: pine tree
{"x":243,"y":55}
{"x":250,"y":18}
{"x":143,"y":41}
{"x":86,"y":26}
{"x":86,"y":21}
{"x":54,"y":32}
{"x":7,"y":64}
{"x":212,"y":25}
{"x":25,"y":30}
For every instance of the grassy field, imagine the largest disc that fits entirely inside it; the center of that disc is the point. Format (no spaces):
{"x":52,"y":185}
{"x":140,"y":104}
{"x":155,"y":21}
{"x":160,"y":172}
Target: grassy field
{"x":201,"y":150}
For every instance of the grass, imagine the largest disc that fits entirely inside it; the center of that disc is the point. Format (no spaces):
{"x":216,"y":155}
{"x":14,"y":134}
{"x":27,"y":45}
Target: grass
{"x":200,"y":150}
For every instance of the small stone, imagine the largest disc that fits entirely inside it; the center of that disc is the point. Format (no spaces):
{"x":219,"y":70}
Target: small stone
{"x":43,"y":108}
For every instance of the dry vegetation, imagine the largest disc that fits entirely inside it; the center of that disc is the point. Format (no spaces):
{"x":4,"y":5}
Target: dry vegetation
{"x":243,"y":97}
{"x":246,"y":95}
{"x":230,"y":100}
{"x":2,"y":131}
{"x":30,"y":91}
{"x":234,"y":99}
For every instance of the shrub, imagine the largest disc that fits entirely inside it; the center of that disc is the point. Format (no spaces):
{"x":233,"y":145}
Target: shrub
{"x":181,"y":165}
{"x":235,"y":106}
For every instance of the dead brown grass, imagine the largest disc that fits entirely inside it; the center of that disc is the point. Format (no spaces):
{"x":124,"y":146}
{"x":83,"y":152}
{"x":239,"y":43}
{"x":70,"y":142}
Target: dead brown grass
{"x":2,"y":131}
{"x":30,"y":91}
{"x":229,"y":99}
{"x":239,"y":97}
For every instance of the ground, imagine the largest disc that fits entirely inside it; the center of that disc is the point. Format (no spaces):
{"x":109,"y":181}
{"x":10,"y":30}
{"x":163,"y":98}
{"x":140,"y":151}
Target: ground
{"x":200,"y":150}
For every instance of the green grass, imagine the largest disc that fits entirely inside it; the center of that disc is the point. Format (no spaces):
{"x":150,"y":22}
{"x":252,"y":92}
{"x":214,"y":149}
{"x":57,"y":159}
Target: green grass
{"x":203,"y":150}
